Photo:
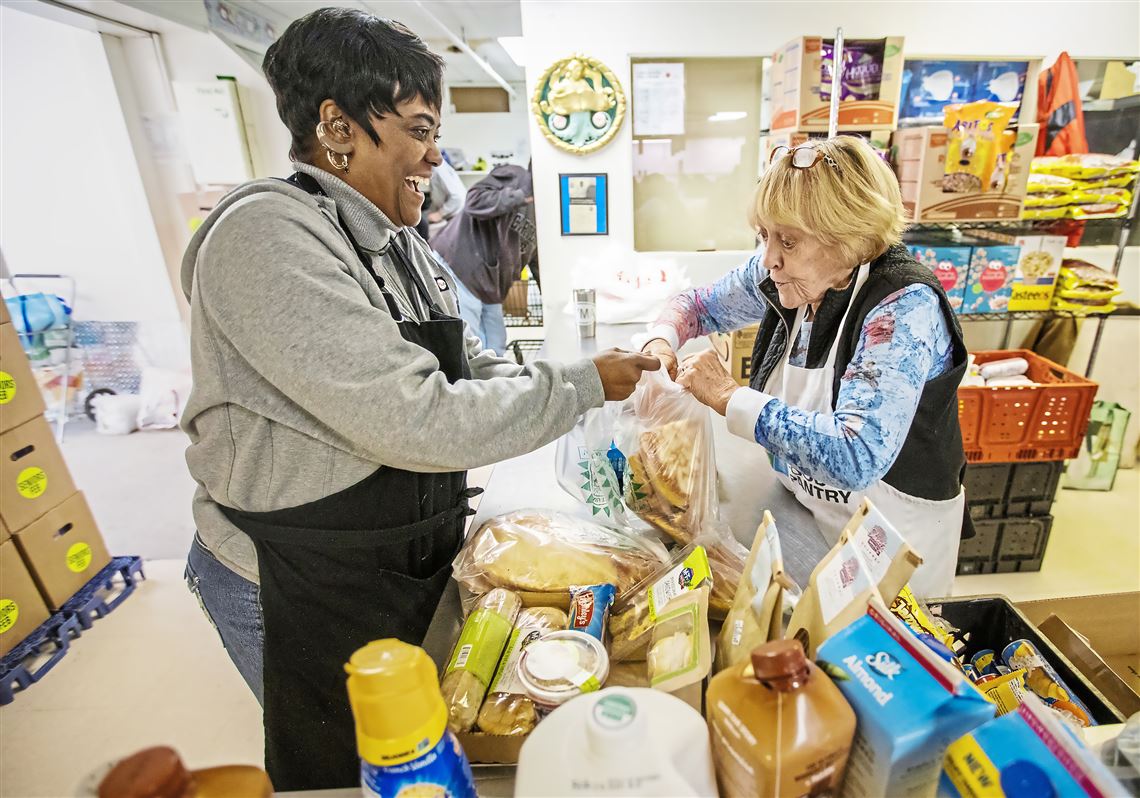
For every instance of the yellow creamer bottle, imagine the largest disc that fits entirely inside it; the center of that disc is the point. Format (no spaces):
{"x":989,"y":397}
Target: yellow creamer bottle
{"x":406,"y":750}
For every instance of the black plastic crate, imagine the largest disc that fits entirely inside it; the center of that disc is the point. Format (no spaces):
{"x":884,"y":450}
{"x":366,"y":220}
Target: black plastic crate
{"x":993,"y":622}
{"x":1003,"y":490}
{"x":1004,"y":545}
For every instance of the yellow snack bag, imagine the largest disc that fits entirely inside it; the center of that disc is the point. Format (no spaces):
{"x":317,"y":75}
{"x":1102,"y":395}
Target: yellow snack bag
{"x":975,"y":142}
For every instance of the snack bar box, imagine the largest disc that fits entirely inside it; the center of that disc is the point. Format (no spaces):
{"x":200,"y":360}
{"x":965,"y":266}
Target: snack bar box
{"x":797,"y":69}
{"x":33,"y":476}
{"x":735,"y":351}
{"x":920,"y":162}
{"x":21,"y":608}
{"x":20,"y":398}
{"x":63,"y":550}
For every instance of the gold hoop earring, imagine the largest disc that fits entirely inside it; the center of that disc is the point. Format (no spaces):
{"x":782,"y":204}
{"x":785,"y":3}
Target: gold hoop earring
{"x":342,"y":164}
{"x":338,"y":160}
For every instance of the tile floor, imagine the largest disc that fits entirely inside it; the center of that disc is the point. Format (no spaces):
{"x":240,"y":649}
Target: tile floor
{"x":154,"y":671}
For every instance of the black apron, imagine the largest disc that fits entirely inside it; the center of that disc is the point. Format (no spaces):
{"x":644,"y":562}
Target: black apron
{"x":366,"y":563}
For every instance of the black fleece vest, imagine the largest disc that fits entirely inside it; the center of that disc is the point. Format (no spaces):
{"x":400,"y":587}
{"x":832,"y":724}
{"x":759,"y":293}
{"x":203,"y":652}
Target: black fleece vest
{"x":932,"y":462}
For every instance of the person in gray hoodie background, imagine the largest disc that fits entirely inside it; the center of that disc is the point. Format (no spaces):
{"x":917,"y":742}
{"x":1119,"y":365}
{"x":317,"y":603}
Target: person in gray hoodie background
{"x":338,"y":400}
{"x":486,"y":246}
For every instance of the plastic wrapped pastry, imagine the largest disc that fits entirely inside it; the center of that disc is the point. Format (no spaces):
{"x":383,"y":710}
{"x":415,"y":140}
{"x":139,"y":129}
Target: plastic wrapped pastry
{"x":543,"y":551}
{"x":475,"y":656}
{"x":508,"y":710}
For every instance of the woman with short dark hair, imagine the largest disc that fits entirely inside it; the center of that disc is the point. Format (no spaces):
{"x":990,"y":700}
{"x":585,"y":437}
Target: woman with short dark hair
{"x":338,"y":400}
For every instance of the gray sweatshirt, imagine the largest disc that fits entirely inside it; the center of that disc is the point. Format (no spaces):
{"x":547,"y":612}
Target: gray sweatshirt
{"x":303,"y":385}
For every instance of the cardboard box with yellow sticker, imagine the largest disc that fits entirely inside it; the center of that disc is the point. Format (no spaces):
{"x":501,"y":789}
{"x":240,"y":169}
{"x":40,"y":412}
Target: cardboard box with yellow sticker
{"x":33,"y":475}
{"x":20,"y":398}
{"x":63,"y":550}
{"x":735,"y":351}
{"x":21,"y":608}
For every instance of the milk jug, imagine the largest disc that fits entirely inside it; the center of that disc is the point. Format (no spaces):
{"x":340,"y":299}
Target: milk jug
{"x":620,"y":741}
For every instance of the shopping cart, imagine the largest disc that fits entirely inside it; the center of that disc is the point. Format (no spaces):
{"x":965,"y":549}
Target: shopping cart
{"x":522,"y":307}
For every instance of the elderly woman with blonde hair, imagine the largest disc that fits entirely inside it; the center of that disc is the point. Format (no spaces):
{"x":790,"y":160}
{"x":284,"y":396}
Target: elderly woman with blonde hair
{"x":856,"y":366}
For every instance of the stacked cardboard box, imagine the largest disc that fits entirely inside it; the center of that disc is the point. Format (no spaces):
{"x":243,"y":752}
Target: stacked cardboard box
{"x":51,"y":545}
{"x":735,"y":351}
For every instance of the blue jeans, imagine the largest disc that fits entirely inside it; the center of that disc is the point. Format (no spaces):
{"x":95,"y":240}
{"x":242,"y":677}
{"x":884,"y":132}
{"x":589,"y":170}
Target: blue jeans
{"x":486,"y":321}
{"x":233,"y":605}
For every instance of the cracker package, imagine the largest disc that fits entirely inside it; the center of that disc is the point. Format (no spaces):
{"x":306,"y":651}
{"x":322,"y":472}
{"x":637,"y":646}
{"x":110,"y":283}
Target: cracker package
{"x":541,"y":551}
{"x":680,"y":651}
{"x":670,"y":480}
{"x":508,"y":710}
{"x":909,"y":704}
{"x":975,"y":144}
{"x":635,"y":613}
{"x":757,"y":608}
{"x":475,"y":656}
{"x":870,"y":557}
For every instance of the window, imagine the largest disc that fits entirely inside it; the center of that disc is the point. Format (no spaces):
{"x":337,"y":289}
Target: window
{"x":691,"y":189}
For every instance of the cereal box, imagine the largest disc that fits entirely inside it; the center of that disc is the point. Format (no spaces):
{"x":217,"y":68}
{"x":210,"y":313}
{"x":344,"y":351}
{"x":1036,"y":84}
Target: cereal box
{"x":951,"y":265}
{"x":1026,"y":752}
{"x":992,"y":272}
{"x":1036,"y":272}
{"x":909,"y":706}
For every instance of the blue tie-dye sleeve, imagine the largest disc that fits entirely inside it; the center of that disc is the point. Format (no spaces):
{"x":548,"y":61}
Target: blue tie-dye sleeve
{"x":732,"y":302}
{"x":905,"y":342}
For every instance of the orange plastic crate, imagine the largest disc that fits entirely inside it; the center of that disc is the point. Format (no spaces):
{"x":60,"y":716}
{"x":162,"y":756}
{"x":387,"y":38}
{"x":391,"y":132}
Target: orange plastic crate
{"x":1046,"y":421}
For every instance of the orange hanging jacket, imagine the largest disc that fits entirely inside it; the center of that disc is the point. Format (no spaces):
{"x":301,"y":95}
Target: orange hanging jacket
{"x":1059,"y":110}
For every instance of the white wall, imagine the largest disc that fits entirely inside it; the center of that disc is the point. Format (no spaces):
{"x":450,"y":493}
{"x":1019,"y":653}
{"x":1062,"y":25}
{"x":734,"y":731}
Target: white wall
{"x":72,"y":198}
{"x":720,"y":29}
{"x":481,"y":134}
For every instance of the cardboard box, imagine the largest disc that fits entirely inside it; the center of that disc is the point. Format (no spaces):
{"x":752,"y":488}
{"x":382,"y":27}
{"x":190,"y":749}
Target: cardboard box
{"x":965,"y":79}
{"x":1101,"y":638}
{"x":20,"y":398}
{"x":735,"y":351}
{"x":5,"y":533}
{"x":63,"y":550}
{"x":4,"y":317}
{"x":880,"y":140}
{"x":797,"y":69}
{"x":33,"y":476}
{"x":920,"y":163}
{"x":21,"y":608}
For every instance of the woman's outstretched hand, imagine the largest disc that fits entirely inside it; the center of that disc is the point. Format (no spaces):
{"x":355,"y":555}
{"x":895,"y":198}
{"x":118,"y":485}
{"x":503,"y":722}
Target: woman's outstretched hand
{"x":706,"y":378}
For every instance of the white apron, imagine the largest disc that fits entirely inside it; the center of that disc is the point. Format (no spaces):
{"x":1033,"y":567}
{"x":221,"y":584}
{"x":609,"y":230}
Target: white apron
{"x":933,"y":528}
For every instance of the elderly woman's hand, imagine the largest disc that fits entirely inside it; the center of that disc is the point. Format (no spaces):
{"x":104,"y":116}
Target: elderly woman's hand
{"x":660,"y":349}
{"x":706,"y":378}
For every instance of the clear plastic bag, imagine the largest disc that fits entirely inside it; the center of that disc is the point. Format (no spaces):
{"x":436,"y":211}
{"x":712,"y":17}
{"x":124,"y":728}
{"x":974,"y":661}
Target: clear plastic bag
{"x":670,"y":479}
{"x":583,"y":465}
{"x":542,"y":551}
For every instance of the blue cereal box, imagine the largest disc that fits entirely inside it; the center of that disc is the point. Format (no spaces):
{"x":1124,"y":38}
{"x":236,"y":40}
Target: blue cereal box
{"x":1026,"y":752}
{"x":909,"y":706}
{"x":993,"y":269}
{"x":951,"y":265}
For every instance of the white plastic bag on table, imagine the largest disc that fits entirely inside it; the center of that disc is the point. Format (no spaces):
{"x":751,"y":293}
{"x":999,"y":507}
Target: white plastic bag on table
{"x":116,"y":414}
{"x":583,"y":467}
{"x":541,"y":551}
{"x":628,"y":293}
{"x":670,"y":478}
{"x":163,"y":394}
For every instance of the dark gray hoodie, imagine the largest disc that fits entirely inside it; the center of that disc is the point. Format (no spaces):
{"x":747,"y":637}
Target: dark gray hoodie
{"x":303,"y":385}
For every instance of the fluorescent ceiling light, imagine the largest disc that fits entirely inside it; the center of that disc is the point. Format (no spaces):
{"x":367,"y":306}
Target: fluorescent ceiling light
{"x":515,"y":47}
{"x":728,"y":116}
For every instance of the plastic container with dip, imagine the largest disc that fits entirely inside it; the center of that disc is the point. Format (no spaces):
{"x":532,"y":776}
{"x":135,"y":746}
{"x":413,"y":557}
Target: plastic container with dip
{"x":560,"y":666}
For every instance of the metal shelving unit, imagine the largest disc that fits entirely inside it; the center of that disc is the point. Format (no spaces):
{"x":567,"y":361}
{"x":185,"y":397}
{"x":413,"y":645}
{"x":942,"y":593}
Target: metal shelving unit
{"x":1123,"y":227}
